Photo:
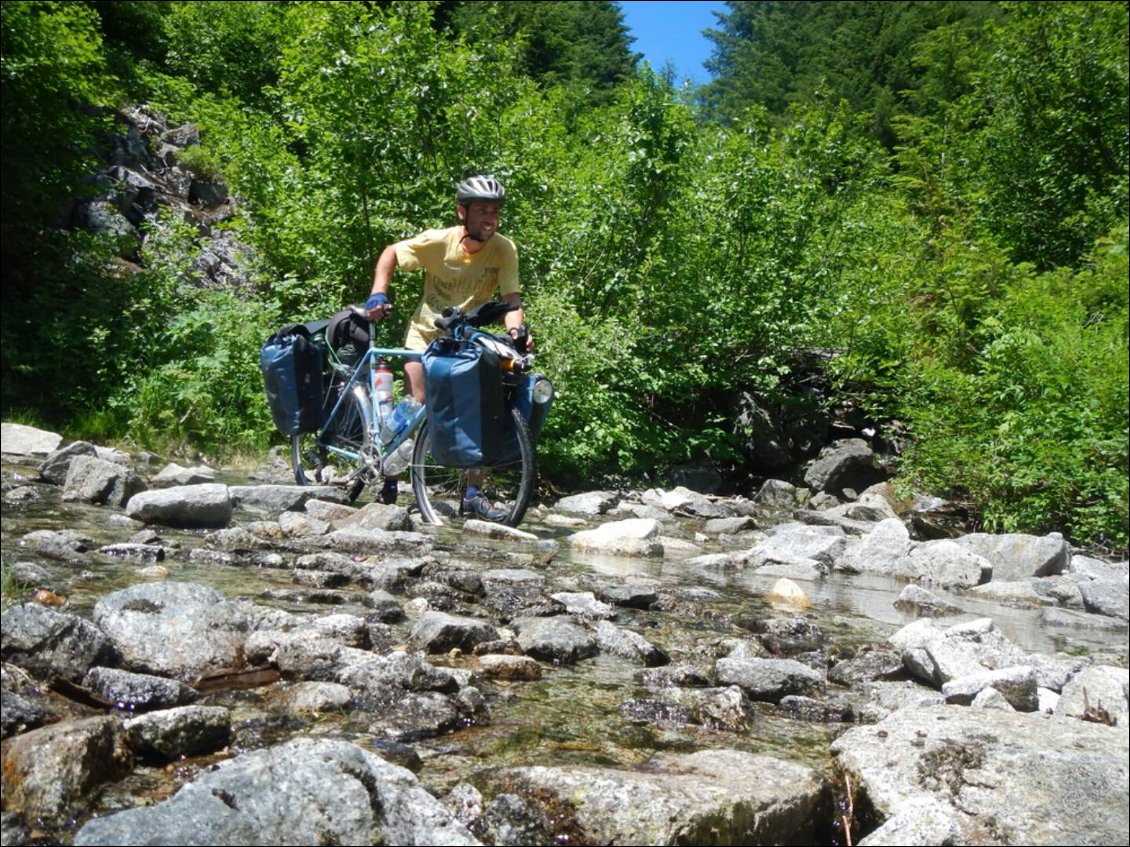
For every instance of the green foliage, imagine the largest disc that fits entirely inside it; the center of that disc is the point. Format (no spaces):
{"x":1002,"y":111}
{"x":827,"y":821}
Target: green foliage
{"x":578,"y":45}
{"x":777,"y":55}
{"x":227,"y":49}
{"x":1047,"y":147}
{"x":1032,"y":426}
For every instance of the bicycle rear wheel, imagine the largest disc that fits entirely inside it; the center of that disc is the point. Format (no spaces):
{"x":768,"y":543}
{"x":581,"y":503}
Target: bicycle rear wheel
{"x":314,"y":464}
{"x":509,"y":486}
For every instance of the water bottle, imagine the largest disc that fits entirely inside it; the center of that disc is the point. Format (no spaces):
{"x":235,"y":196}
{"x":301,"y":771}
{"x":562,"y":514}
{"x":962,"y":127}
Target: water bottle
{"x":399,"y":459}
{"x":383,"y":379}
{"x":400,"y":417}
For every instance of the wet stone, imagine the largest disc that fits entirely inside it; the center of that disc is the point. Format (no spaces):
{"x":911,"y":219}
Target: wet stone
{"x":137,"y":692}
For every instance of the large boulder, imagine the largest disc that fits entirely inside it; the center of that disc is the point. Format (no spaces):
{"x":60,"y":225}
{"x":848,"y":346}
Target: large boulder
{"x":174,"y":629}
{"x":850,"y":463}
{"x":52,"y":643}
{"x":991,"y":777}
{"x":206,"y":506}
{"x":709,"y":797}
{"x":101,"y":481}
{"x":20,"y":440}
{"x":304,"y":792}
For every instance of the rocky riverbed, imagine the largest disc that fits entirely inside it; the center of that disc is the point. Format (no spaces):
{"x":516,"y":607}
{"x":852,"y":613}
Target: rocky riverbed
{"x":201,"y":657}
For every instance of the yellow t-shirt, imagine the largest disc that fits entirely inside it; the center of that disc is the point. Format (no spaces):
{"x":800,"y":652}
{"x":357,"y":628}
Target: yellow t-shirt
{"x":454,"y":277}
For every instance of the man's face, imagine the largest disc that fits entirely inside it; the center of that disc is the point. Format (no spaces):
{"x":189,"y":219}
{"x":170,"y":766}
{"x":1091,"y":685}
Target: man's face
{"x":480,"y":217}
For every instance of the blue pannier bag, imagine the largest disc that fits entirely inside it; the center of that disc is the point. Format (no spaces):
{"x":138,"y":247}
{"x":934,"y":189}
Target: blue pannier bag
{"x":291,"y":365}
{"x":463,"y":385}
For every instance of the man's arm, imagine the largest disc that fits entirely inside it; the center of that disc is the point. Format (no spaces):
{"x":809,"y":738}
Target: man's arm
{"x":382,"y":279}
{"x":517,"y":318}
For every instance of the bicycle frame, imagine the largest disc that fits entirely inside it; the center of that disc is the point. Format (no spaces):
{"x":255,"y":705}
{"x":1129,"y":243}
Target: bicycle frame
{"x":368,"y":405}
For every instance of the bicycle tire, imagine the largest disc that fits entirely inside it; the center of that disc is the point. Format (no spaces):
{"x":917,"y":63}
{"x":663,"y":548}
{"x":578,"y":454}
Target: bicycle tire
{"x":314,"y":465}
{"x":439,"y":490}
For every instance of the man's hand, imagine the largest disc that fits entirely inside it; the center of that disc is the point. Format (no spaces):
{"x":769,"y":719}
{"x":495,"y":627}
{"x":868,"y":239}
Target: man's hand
{"x":523,"y":338}
{"x":378,"y":306}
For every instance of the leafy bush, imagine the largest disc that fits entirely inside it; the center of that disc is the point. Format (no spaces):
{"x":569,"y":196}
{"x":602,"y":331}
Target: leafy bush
{"x":1032,"y":426}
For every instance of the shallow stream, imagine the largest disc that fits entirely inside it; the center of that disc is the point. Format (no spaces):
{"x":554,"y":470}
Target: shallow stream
{"x":574,"y":714}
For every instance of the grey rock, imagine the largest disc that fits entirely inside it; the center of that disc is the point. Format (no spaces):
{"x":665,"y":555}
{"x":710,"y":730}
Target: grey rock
{"x":555,"y":639}
{"x":938,"y":655}
{"x":55,"y":467}
{"x":20,"y":440}
{"x":867,"y":667}
{"x":1097,"y":687}
{"x":53,"y":772}
{"x":187,"y":506}
{"x":325,"y":510}
{"x":24,"y":703}
{"x":921,"y":601}
{"x":377,"y":516}
{"x":589,"y":503}
{"x":849,"y":463}
{"x":1016,"y":684}
{"x":1106,"y":597}
{"x":717,"y":796}
{"x":273,"y":499}
{"x":314,"y":698}
{"x":673,"y":676}
{"x":629,"y":595}
{"x":53,"y":643}
{"x":629,"y":645}
{"x":511,"y":821}
{"x":137,"y":692}
{"x":304,"y":792}
{"x":179,"y":732}
{"x":302,"y":525}
{"x":728,"y":526}
{"x":801,"y":541}
{"x":436,"y":632}
{"x":810,"y":709}
{"x":632,"y":537}
{"x":173,"y":475}
{"x":369,"y":541}
{"x":880,"y":551}
{"x":919,"y":822}
{"x":174,"y":629}
{"x":1070,"y":619}
{"x":944,"y":563}
{"x":100,"y":481}
{"x":778,"y":494}
{"x":769,"y":679}
{"x":583,"y":604}
{"x":1016,"y":556}
{"x":494,"y":666}
{"x":995,"y":772}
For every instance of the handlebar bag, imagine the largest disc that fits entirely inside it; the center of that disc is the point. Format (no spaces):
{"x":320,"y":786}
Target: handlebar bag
{"x":292,"y":374}
{"x":463,"y":387}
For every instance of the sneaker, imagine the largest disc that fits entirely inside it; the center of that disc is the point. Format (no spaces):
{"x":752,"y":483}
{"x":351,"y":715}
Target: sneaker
{"x":389,"y":492}
{"x":479,"y":506}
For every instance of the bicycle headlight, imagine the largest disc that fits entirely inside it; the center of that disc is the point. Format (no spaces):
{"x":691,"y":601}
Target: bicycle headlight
{"x":543,"y":390}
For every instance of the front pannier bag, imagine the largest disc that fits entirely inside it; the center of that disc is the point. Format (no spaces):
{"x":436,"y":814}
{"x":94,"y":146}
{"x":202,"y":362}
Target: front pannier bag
{"x":463,"y":384}
{"x":291,"y":365}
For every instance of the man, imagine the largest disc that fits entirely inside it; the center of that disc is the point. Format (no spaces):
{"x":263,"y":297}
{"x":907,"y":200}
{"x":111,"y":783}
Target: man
{"x":463,"y":266}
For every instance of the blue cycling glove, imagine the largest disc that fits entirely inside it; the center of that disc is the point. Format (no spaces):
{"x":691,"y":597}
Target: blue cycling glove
{"x":375,"y":300}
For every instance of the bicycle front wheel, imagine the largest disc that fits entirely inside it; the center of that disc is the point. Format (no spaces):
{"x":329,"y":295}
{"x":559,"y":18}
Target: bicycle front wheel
{"x":508,"y":485}
{"x":315,"y":464}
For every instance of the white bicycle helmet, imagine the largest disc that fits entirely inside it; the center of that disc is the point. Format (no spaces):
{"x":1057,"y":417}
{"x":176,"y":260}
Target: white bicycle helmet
{"x":479,"y":187}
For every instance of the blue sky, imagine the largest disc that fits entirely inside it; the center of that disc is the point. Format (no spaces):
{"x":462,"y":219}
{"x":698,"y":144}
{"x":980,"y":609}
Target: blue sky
{"x":670,"y":30}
